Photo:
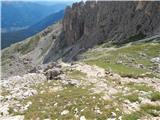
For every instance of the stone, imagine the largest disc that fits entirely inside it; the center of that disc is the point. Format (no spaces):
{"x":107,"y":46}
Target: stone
{"x":117,"y":109}
{"x":30,"y":93}
{"x":106,"y":97}
{"x":64,"y":112}
{"x":112,"y":91}
{"x":74,"y":82}
{"x":155,"y":60}
{"x":4,"y":109}
{"x":2,"y":98}
{"x":27,"y":106}
{"x":98,"y":111}
{"x":127,"y":101}
{"x":52,"y":73}
{"x":55,"y":104}
{"x":82,"y":118}
{"x":140,"y":66}
{"x":129,"y":107}
{"x":34,"y":70}
{"x":120,"y":118}
{"x":119,"y":62}
{"x":113,"y":114}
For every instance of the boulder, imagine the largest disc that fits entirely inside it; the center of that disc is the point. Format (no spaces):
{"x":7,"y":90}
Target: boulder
{"x":53,"y":73}
{"x":82,"y":118}
{"x":156,"y":60}
{"x":64,"y":112}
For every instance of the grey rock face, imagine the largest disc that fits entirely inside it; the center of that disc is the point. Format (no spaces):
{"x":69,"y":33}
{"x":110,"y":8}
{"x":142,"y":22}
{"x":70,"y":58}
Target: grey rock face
{"x":95,"y":22}
{"x":91,"y":23}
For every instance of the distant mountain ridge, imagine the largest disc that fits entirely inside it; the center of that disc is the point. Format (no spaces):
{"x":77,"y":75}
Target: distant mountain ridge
{"x":20,"y":15}
{"x":13,"y":37}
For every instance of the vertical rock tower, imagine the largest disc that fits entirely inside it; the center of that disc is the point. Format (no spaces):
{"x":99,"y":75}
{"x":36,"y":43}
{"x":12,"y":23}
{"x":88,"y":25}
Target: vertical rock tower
{"x":90,"y":23}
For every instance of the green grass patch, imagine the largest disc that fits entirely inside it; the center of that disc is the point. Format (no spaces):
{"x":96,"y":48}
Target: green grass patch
{"x":151,"y":109}
{"x":132,"y":97}
{"x":123,"y":70}
{"x":155,"y":96}
{"x":132,"y":116}
{"x":130,"y":55}
{"x":139,"y":87}
{"x":11,"y":111}
{"x":29,"y":46}
{"x":136,"y":37}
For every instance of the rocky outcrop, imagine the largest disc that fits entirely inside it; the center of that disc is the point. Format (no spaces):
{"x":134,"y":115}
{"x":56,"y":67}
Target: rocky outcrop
{"x":91,"y":23}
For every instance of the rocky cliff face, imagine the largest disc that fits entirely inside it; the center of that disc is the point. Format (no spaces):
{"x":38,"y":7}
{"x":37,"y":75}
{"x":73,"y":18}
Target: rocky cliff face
{"x":91,"y":23}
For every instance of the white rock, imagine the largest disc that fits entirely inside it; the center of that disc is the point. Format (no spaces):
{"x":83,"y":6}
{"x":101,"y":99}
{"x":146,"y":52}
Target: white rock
{"x":55,"y":104}
{"x":113,"y":114}
{"x":82,"y":118}
{"x":98,"y":111}
{"x":120,"y":118}
{"x":106,"y":97}
{"x":117,"y":109}
{"x":64,"y":112}
{"x":42,"y":92}
{"x":111,"y":118}
{"x":112,"y":91}
{"x":94,"y":97}
{"x":30,"y":93}
{"x":9,"y":97}
{"x":1,"y":97}
{"x":127,"y":101}
{"x":76,"y":110}
{"x":156,"y":59}
{"x":28,"y":104}
{"x":146,"y":101}
{"x":4,"y":109}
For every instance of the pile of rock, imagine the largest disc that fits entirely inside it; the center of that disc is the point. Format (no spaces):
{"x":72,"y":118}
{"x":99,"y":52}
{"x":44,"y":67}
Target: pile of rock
{"x":53,"y":74}
{"x":156,"y":66}
{"x":52,"y":71}
{"x":18,"y":88}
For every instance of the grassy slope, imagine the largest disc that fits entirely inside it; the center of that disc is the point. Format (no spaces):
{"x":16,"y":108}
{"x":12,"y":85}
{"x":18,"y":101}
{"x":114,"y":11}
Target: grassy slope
{"x":22,"y":48}
{"x":44,"y":104}
{"x":129,"y":55}
{"x":80,"y":101}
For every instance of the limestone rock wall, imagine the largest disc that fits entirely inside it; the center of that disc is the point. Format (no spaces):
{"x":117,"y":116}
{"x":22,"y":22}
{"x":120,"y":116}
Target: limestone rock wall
{"x":90,"y":23}
{"x":94,"y":22}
